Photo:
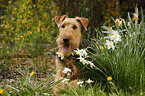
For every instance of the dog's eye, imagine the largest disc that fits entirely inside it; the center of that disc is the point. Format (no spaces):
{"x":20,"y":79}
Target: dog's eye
{"x":62,"y":26}
{"x":74,"y":27}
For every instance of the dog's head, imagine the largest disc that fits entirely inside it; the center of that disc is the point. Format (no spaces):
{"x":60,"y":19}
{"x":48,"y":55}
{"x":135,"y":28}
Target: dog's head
{"x":70,"y":33}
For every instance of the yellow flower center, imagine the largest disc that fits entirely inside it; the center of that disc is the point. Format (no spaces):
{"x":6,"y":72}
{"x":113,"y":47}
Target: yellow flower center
{"x":92,"y":81}
{"x":115,"y":36}
{"x":83,"y":60}
{"x":59,"y":55}
{"x":90,"y":63}
{"x":79,"y":53}
{"x":110,"y":45}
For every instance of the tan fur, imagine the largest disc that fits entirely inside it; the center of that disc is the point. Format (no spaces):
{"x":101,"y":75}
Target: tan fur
{"x":66,"y":29}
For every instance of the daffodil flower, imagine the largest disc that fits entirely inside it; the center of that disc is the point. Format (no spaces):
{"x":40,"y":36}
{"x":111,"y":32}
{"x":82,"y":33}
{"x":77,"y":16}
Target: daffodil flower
{"x":80,"y":83}
{"x":128,"y":24}
{"x":109,"y":78}
{"x":115,"y":36}
{"x":82,"y":60}
{"x":109,"y":44}
{"x":89,"y":81}
{"x":81,"y":52}
{"x":1,"y":91}
{"x":65,"y":81}
{"x":91,"y":64}
{"x":60,"y":55}
{"x":66,"y":70}
{"x":135,"y":16}
{"x":32,"y":73}
{"x":119,"y":22}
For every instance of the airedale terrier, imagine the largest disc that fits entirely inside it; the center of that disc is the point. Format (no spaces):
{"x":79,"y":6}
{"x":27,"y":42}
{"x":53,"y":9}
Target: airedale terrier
{"x":69,"y":38}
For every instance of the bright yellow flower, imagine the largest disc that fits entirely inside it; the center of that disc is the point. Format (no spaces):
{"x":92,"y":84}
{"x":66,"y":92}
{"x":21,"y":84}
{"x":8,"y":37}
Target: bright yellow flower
{"x":34,"y":5}
{"x":13,"y":18}
{"x":29,"y":12}
{"x":109,"y":78}
{"x":128,"y":24}
{"x":141,"y":93}
{"x":15,"y":8}
{"x":4,"y":32}
{"x":45,"y":15}
{"x":117,"y":21}
{"x":12,"y":28}
{"x":1,"y":91}
{"x":32,"y":73}
{"x":103,"y":47}
{"x":30,"y":32}
{"x":6,"y":26}
{"x":38,"y":29}
{"x":9,"y":2}
{"x":21,"y":36}
{"x":23,"y":21}
{"x":3,"y":42}
{"x":135,"y":17}
{"x":42,"y":7}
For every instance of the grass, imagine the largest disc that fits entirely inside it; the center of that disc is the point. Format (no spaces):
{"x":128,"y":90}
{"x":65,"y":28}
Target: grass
{"x":125,"y":64}
{"x":22,"y":55}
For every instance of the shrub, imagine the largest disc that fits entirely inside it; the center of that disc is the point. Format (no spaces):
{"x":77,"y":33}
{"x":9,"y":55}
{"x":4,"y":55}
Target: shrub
{"x":26,"y":25}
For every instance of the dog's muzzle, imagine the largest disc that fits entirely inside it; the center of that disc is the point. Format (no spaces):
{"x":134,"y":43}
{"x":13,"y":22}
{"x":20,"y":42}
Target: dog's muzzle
{"x":66,"y":46}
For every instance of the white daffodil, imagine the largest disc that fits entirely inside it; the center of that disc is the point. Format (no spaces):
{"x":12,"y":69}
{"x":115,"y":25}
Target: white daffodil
{"x":135,"y":16}
{"x":81,"y":52}
{"x":89,"y":81}
{"x":80,"y":83}
{"x":60,"y":55}
{"x":115,"y":36}
{"x":84,"y":52}
{"x":82,"y":60}
{"x":65,"y":81}
{"x":66,"y":70}
{"x":91,"y":64}
{"x":109,"y":44}
{"x":119,"y":22}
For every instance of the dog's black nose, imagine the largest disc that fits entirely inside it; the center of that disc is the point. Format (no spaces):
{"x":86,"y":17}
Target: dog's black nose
{"x":65,"y":39}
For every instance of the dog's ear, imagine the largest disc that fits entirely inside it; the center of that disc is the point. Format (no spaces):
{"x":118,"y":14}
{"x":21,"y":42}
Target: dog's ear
{"x":84,"y":22}
{"x":59,"y":19}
